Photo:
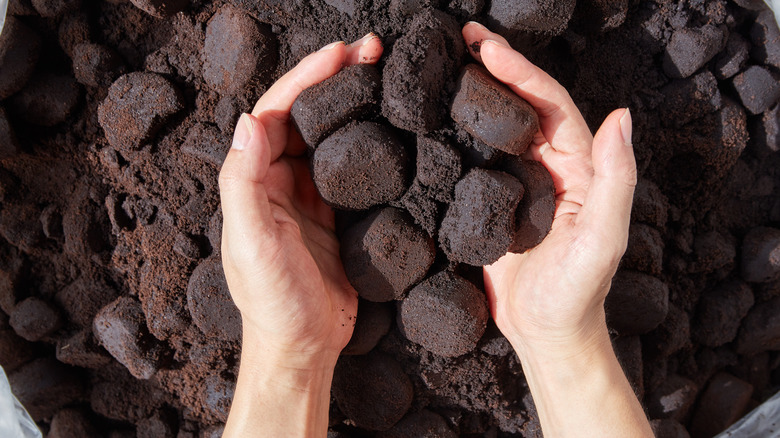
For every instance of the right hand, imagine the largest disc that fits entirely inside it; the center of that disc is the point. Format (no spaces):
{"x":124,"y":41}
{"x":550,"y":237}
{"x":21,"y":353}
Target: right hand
{"x":552,"y":296}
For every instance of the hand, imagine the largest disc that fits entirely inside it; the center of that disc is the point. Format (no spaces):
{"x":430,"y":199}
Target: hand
{"x":279,"y":250}
{"x":281,"y":261}
{"x":549,"y":301}
{"x":554,"y":293}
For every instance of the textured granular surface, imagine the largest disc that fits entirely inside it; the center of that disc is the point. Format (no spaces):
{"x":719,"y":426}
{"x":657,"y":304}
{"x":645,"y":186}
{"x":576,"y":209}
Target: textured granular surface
{"x":372,"y":390}
{"x":19,"y":51}
{"x":209,"y":302}
{"x":479,"y":225}
{"x":548,"y":17}
{"x":236,"y":49}
{"x":417,"y":72}
{"x":535,"y":212}
{"x":120,"y":328}
{"x":492,"y":113}
{"x":361,"y":165}
{"x":386,"y":254}
{"x":446,"y":314}
{"x":322,"y":109}
{"x":115,"y":122}
{"x":137,"y":106}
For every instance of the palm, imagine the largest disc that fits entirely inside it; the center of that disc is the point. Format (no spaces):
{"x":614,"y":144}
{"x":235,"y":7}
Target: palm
{"x":307,"y":262}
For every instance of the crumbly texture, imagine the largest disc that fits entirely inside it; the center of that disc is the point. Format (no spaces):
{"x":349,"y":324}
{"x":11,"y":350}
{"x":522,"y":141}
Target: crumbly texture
{"x":84,"y":220}
{"x":492,"y":113}
{"x":636,"y":302}
{"x":209,"y":302}
{"x":536,"y":210}
{"x":758,"y":88}
{"x":95,"y":65}
{"x":418,"y":72}
{"x":236,"y":50}
{"x":352,"y":93}
{"x":690,"y":99}
{"x":386,"y":254}
{"x":689,"y":49}
{"x":137,"y":106}
{"x":361,"y":165}
{"x":720,"y":312}
{"x":547,"y":17}
{"x":121,"y":330}
{"x":160,"y":8}
{"x":479,"y":225}
{"x":372,"y":390}
{"x":446,"y":314}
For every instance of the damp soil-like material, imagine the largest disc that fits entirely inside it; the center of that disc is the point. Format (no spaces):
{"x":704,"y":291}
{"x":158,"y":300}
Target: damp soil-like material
{"x":115,"y":118}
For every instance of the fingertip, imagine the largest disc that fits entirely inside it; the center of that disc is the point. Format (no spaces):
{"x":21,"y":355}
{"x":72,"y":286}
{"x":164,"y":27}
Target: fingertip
{"x":366,"y":50}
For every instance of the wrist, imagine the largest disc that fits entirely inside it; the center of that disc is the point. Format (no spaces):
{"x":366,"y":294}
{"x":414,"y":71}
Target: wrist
{"x":281,"y":391}
{"x":263,"y":356}
{"x":565,"y":341}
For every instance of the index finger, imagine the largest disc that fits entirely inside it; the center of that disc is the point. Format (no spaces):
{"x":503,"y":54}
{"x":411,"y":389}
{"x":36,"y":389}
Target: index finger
{"x":273,"y":107}
{"x":561,"y":122}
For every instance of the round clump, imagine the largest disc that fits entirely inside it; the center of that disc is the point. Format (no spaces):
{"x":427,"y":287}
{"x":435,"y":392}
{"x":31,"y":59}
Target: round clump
{"x":373,"y":322}
{"x":95,"y":65}
{"x":479,"y":225}
{"x":325,"y":107}
{"x":34,"y":319}
{"x":385,"y":254}
{"x":536,"y":211}
{"x":493,"y":113}
{"x":537,"y":16}
{"x":48,"y":99}
{"x":359,"y":166}
{"x":209,"y":302}
{"x":137,"y":106}
{"x":417,"y":72}
{"x":373,"y":390}
{"x":19,"y":50}
{"x":237,"y":49}
{"x":446,"y":314}
{"x":636,"y":303}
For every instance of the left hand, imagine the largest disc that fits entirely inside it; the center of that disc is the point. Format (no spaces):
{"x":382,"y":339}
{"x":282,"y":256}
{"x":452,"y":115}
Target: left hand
{"x":279,"y":250}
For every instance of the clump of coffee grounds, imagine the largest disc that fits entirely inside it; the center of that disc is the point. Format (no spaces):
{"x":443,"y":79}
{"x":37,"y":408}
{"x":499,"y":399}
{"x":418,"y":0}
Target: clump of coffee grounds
{"x":108,"y":213}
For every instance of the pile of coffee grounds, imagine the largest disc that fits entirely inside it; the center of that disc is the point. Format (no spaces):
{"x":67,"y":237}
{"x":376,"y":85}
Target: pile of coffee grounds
{"x":116,"y":116}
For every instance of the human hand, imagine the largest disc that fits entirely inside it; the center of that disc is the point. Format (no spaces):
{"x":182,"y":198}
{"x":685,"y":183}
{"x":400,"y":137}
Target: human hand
{"x":552,"y":296}
{"x":549,"y":301}
{"x":279,"y":250}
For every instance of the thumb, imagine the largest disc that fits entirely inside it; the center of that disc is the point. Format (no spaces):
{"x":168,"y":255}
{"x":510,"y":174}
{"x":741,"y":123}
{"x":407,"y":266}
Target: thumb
{"x":245,"y":207}
{"x":606,"y":212}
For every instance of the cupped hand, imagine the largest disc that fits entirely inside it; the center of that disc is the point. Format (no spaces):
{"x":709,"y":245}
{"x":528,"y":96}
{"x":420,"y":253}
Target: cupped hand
{"x":279,"y":250}
{"x":553,"y":295}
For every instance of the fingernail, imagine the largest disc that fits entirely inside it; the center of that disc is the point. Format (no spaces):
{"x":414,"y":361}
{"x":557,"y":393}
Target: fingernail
{"x":481,"y":26}
{"x":365,"y":40}
{"x":244,"y":130}
{"x":625,"y":127}
{"x":330,"y":46}
{"x":500,"y":44}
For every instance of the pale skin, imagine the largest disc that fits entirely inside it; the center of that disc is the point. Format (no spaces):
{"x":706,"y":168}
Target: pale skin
{"x":282,"y":264}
